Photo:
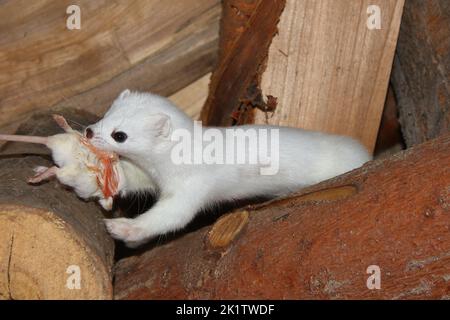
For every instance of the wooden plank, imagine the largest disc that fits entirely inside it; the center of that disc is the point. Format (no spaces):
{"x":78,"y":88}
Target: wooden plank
{"x":159,"y":46}
{"x":328,"y":70}
{"x":192,"y":98}
{"x":318,"y":243}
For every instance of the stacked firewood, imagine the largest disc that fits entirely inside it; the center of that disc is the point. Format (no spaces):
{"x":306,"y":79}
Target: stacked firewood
{"x":322,"y":65}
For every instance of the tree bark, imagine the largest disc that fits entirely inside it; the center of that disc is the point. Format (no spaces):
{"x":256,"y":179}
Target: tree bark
{"x":320,"y":243}
{"x":421,"y":74}
{"x":246,"y":34}
{"x":48,"y":236}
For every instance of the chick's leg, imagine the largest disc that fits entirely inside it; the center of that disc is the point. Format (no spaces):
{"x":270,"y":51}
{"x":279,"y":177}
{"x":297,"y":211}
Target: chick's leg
{"x":43,"y":173}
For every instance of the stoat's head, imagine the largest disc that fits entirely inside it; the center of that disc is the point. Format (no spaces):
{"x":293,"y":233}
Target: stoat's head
{"x":136,"y":124}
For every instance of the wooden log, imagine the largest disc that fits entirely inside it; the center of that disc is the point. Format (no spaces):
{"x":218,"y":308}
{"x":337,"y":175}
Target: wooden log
{"x":324,"y":70}
{"x":318,"y":243}
{"x":158,"y":46}
{"x":49,"y":238}
{"x":233,"y":23}
{"x":421,"y":74}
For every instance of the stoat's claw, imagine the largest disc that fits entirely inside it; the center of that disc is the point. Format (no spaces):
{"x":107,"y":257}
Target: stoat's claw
{"x":125,"y":229}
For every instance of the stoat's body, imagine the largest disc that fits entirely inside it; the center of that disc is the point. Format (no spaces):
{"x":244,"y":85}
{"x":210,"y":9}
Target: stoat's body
{"x":140,"y":127}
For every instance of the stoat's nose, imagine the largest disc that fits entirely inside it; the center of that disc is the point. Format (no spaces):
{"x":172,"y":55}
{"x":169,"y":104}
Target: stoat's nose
{"x":89,"y":133}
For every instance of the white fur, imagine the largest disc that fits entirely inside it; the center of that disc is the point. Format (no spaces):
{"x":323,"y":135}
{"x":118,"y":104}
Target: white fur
{"x":71,"y":158}
{"x":305,"y":158}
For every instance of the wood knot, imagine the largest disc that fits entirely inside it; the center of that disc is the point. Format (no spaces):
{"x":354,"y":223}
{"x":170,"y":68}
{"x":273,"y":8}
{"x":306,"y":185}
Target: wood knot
{"x":330,"y":194}
{"x":226,"y":229}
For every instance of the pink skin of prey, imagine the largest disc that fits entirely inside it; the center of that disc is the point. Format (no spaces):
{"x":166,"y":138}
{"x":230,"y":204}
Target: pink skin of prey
{"x":20,"y":138}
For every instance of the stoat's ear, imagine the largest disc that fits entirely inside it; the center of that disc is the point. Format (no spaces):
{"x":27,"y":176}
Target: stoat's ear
{"x":161,"y":125}
{"x":125,"y":93}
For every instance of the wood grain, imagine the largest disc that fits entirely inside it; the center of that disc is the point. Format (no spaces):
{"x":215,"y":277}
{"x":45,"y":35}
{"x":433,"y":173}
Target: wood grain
{"x":159,"y":46}
{"x":328,"y":70}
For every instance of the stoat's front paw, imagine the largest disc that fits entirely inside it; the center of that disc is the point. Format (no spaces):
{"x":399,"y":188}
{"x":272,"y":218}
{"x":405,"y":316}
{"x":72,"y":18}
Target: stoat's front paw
{"x":126,"y":230}
{"x":106,"y":204}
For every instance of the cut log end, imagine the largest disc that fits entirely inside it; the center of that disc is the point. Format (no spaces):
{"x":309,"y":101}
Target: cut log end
{"x":227,"y":229}
{"x":52,"y":244}
{"x":35,"y":237}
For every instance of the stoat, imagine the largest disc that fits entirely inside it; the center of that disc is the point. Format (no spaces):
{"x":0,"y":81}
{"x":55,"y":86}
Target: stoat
{"x":141,"y":127}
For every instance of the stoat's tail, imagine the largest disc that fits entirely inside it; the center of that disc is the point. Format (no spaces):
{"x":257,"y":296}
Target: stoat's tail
{"x":20,"y":138}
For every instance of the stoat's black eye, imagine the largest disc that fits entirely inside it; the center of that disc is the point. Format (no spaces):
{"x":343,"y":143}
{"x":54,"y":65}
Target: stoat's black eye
{"x":89,"y":133}
{"x":119,"y":136}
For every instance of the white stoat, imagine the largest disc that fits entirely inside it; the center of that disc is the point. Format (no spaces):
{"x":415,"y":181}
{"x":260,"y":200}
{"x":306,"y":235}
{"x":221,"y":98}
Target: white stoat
{"x":139,"y":127}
